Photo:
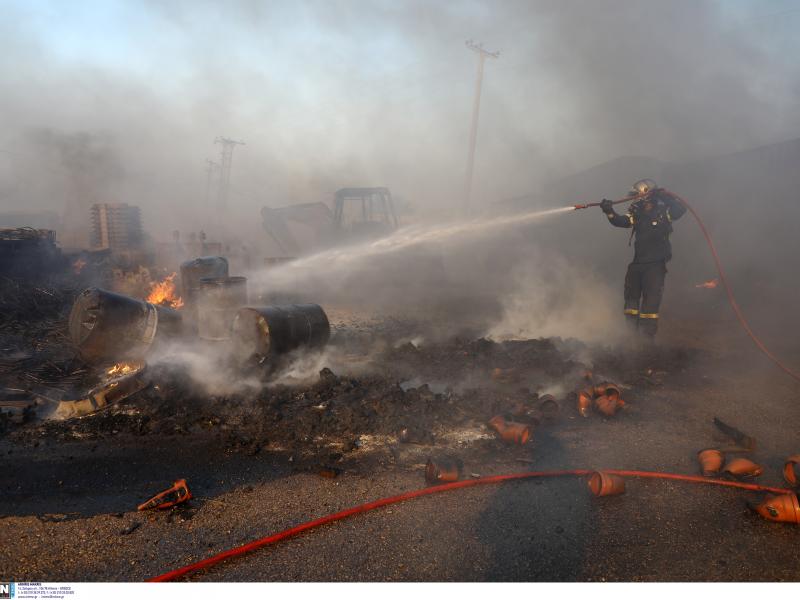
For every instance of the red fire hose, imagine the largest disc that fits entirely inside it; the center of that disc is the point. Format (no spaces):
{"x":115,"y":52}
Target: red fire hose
{"x":293,"y":531}
{"x":738,"y":311}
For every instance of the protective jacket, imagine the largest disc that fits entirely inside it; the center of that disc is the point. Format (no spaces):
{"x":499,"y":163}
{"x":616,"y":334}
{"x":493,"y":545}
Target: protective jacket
{"x":651,"y":229}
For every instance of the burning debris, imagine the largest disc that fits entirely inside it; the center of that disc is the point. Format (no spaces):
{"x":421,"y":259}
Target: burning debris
{"x":163,"y":293}
{"x":120,"y":369}
{"x":122,"y":380}
{"x":98,"y":359}
{"x":107,"y":326}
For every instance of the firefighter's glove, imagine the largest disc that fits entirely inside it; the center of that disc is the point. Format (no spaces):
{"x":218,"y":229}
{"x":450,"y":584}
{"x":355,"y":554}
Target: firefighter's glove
{"x":607,"y":206}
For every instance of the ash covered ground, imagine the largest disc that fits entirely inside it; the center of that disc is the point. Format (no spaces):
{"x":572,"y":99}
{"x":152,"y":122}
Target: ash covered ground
{"x":260,"y":458}
{"x":376,"y":377}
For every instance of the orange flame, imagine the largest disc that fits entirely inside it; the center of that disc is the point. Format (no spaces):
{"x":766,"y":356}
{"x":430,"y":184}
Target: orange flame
{"x":163,"y":293}
{"x":709,"y":285}
{"x":119,"y":369}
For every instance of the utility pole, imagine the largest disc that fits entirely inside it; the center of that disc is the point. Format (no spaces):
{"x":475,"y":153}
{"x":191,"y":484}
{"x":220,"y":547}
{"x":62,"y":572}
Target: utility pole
{"x":211,"y":167}
{"x":473,"y":135}
{"x":226,"y":159}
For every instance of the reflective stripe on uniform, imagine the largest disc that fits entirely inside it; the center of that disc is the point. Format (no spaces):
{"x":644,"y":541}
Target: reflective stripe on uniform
{"x":648,"y":315}
{"x":631,"y":311}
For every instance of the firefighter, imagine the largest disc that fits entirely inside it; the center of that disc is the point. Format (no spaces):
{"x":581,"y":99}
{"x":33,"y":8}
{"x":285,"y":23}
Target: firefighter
{"x":651,"y":217}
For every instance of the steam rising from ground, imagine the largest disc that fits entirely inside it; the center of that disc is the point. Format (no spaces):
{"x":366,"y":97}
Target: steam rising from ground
{"x":552,"y":298}
{"x":208,"y":365}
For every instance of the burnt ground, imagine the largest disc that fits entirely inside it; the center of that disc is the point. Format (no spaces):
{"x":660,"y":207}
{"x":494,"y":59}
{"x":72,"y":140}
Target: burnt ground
{"x":253,"y":461}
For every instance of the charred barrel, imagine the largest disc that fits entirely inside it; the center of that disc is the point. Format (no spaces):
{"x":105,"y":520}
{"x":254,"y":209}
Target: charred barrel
{"x":272,"y":330}
{"x":220,"y":298}
{"x":110,"y":327}
{"x":192,"y":271}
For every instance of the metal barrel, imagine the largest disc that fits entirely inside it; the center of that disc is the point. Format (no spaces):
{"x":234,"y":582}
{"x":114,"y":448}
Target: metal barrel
{"x":272,"y":330}
{"x":111,"y":327}
{"x":192,"y":271}
{"x":220,"y":298}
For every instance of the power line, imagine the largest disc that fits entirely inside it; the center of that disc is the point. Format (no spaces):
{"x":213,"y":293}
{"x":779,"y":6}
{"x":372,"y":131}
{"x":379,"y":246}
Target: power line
{"x":225,"y":163}
{"x":211,"y":168}
{"x":476,"y":107}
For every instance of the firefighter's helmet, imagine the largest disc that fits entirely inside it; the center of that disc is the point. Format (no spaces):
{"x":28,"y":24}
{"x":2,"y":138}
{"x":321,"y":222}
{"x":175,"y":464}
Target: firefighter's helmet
{"x":643,"y":186}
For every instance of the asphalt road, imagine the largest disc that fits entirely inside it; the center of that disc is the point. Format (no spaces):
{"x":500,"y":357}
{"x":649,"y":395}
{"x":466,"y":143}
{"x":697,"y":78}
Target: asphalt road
{"x":70,"y":508}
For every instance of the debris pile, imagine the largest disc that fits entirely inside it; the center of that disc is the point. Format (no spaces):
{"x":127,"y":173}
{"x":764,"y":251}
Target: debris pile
{"x":29,"y":253}
{"x":35,"y":350}
{"x":327,"y":416}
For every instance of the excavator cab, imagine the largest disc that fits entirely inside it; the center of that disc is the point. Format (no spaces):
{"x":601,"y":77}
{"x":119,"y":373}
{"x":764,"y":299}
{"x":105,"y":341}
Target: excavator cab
{"x":358,"y":214}
{"x":363,"y":213}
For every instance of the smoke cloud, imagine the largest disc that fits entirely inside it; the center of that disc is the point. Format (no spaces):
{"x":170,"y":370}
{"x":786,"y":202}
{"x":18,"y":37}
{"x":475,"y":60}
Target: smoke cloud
{"x":123,"y":104}
{"x":329,"y":94}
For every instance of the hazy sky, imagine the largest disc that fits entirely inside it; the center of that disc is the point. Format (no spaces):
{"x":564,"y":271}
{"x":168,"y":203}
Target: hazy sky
{"x":122,"y":100}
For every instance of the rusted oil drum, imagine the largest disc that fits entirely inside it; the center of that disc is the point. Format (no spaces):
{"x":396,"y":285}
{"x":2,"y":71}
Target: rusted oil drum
{"x":192,"y":271}
{"x":220,"y":298}
{"x":111,"y":327}
{"x":266,"y":331}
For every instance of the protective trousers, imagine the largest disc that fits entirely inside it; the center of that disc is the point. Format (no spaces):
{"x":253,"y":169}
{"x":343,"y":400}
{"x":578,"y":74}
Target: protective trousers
{"x":644,"y":287}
